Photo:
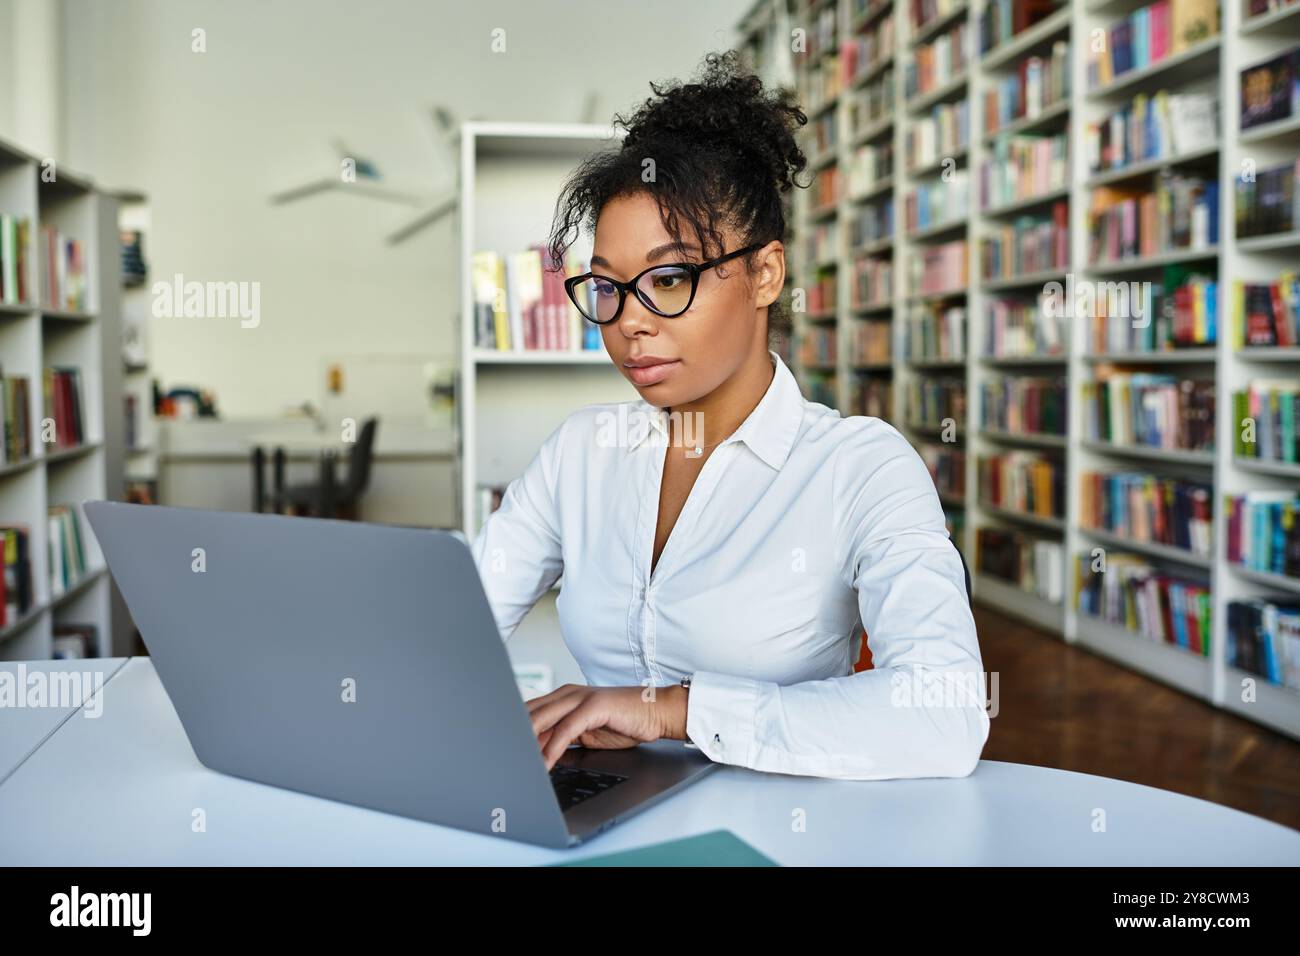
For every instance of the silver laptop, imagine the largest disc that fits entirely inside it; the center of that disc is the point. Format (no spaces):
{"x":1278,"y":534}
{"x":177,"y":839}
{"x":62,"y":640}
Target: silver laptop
{"x":361,"y":663}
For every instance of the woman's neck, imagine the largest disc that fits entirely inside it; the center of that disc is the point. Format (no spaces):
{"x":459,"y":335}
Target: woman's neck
{"x":712,"y":418}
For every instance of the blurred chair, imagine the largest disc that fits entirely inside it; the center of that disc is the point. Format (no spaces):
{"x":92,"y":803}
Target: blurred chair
{"x":326,"y":497}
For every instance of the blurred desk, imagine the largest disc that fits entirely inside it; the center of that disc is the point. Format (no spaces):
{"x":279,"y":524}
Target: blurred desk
{"x":205,"y":464}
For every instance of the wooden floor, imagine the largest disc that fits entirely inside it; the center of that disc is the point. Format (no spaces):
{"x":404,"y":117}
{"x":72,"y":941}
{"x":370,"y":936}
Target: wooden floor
{"x":1068,"y":708}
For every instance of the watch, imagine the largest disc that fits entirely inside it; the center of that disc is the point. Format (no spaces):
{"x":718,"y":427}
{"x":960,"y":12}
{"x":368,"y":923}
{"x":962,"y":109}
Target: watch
{"x":686,"y":682}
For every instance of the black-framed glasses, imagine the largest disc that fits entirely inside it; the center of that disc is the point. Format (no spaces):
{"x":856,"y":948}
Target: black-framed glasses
{"x":667,"y":290}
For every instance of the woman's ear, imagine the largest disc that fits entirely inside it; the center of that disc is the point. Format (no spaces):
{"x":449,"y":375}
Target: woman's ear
{"x":770,"y":273}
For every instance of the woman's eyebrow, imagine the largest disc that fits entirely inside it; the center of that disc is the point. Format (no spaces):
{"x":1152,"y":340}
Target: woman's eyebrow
{"x":653,"y":254}
{"x":679,"y":247}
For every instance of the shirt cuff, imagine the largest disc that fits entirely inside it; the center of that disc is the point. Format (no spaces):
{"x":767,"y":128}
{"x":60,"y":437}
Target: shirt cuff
{"x":720,"y":716}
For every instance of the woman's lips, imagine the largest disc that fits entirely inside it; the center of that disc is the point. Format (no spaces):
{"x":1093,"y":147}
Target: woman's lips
{"x":652,"y":374}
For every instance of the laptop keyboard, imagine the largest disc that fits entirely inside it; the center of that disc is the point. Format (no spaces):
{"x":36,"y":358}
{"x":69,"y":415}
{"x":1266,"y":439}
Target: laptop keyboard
{"x":574,"y":785}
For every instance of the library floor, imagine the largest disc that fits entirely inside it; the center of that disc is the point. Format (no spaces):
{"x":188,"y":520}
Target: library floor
{"x":1068,"y":708}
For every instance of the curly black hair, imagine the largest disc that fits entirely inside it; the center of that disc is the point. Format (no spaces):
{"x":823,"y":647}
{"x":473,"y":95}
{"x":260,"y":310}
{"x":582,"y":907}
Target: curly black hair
{"x":724,"y":150}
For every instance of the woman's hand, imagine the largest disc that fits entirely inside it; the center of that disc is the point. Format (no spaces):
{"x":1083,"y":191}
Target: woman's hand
{"x":606,"y":718}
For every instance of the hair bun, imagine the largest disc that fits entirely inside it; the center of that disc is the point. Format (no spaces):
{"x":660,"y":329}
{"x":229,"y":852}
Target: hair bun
{"x":727,"y":112}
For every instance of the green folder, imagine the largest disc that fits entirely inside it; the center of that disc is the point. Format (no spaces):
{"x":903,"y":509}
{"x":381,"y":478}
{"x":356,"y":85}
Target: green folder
{"x":715,"y":848}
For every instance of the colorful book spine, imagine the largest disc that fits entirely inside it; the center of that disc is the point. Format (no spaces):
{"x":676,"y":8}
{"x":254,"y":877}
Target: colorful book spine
{"x":1130,"y":593}
{"x":873,"y":282}
{"x":935,"y":332}
{"x":1023,"y":481}
{"x":1264,"y":417}
{"x":1029,"y":243}
{"x":940,"y":268}
{"x":933,"y":401}
{"x":1148,"y":410}
{"x":939,"y":61}
{"x":1024,"y":167}
{"x":1263,"y":533}
{"x":1149,"y":35}
{"x":1267,"y":313}
{"x":1149,"y":508}
{"x":947,"y":466}
{"x":1030,"y":562}
{"x":944,"y":131}
{"x":1264,"y":639}
{"x":1024,"y":405}
{"x":938,"y":201}
{"x":1179,"y":312}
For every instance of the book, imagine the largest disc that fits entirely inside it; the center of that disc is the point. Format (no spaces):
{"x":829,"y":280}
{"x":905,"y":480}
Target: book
{"x":947,"y":467}
{"x":938,"y":201}
{"x":14,"y":266}
{"x":1027,"y":482}
{"x":1033,"y":242}
{"x":1034,"y":564}
{"x":1149,"y":35}
{"x":1025,"y":405}
{"x":715,"y":848}
{"x":1270,"y":91}
{"x":63,"y":391}
{"x":944,"y":131}
{"x":67,"y":552}
{"x":1263,"y":534}
{"x":1132,"y":594}
{"x":940,"y":268}
{"x":938,"y":61}
{"x":935,"y":331}
{"x":1263,"y":638}
{"x":1024,"y":166}
{"x":520,"y":304}
{"x":1149,"y":410}
{"x":1273,"y":407}
{"x":1179,"y":311}
{"x":1267,"y":313}
{"x":17,"y":577}
{"x":1018,"y":327}
{"x":1268,"y":202}
{"x":1149,"y":508}
{"x":1037,"y":84}
{"x":931,"y":401}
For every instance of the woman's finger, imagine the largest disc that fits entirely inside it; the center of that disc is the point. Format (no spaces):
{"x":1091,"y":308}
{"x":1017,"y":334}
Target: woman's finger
{"x":568,"y":730}
{"x":548,"y":715}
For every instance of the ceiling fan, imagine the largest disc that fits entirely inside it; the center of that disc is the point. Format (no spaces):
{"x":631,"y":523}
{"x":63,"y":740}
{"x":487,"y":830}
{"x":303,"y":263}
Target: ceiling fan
{"x":365,"y":179}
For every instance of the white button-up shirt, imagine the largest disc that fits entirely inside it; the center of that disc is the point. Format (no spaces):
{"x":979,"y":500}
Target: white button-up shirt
{"x":801,"y":527}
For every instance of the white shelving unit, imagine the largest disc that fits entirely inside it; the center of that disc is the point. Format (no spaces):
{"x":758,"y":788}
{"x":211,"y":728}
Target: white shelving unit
{"x":1213,"y":64}
{"x":34,"y":335}
{"x":141,"y":457}
{"x":510,"y":176}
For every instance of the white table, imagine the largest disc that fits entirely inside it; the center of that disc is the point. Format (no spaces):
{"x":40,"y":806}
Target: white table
{"x":122,"y":789}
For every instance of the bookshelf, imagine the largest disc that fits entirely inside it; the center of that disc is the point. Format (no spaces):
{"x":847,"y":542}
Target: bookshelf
{"x":1209,"y":64}
{"x":36,"y":333}
{"x":140,"y":441}
{"x":510,"y":401}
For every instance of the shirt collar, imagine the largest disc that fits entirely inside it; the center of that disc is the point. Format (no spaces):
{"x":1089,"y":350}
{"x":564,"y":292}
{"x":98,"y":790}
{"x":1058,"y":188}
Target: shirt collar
{"x":769,"y":431}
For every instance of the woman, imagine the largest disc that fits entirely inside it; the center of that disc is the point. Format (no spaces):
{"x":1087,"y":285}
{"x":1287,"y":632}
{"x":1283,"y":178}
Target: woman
{"x":723,"y":541}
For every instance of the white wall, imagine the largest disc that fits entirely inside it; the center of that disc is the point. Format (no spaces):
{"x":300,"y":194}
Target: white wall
{"x":210,"y":135}
{"x":7,"y":124}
